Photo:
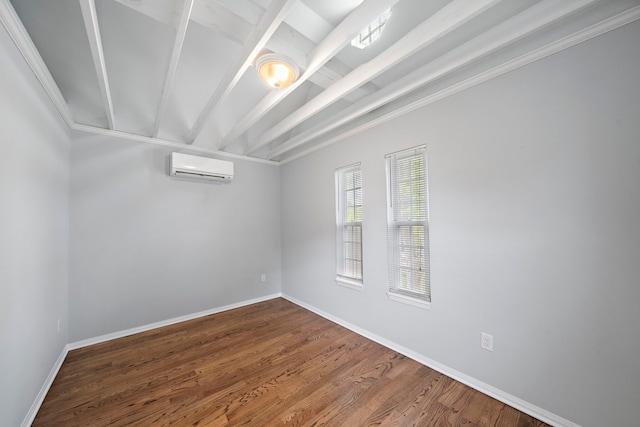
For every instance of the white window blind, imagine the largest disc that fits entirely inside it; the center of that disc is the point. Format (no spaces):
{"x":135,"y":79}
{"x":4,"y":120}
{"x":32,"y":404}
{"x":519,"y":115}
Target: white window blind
{"x":349,"y":224}
{"x":408,"y":224}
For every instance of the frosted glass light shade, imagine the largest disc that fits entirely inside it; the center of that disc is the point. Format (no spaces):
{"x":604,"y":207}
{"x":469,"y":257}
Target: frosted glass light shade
{"x":277,"y":71}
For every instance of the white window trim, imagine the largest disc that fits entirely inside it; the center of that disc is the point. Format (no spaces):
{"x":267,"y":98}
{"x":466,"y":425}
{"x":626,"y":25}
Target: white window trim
{"x":348,"y":282}
{"x":394,"y":294}
{"x":342,"y":280}
{"x":405,"y":299}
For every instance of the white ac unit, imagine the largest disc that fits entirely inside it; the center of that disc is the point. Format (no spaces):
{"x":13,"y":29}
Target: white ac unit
{"x":188,"y":166}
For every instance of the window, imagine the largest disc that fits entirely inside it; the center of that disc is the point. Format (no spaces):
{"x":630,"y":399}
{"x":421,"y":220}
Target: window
{"x":372,"y":32}
{"x":408,"y":227}
{"x":349,"y":225}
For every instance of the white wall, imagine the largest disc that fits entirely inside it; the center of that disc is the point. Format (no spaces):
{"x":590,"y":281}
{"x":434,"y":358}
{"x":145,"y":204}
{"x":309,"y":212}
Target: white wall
{"x":534,"y":206}
{"x":535,"y":203}
{"x":34,"y":194}
{"x":146,"y":248}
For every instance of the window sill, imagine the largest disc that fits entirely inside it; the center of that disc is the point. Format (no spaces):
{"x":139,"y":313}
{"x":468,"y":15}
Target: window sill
{"x":349,"y":283}
{"x":415,"y":302}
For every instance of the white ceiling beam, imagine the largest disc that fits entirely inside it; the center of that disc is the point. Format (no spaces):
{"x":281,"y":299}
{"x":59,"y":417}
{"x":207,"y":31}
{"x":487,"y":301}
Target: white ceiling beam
{"x":235,"y":20}
{"x":112,"y":134}
{"x":239,"y":17}
{"x":267,"y":25}
{"x":401,"y":108}
{"x":23,"y":42}
{"x":208,"y":13}
{"x":506,"y":33}
{"x":162,"y":11}
{"x":178,"y":42}
{"x":433,"y":28}
{"x":341,"y":36}
{"x":297,"y":48}
{"x":248,"y":10}
{"x":95,"y":43}
{"x":308,"y":23}
{"x":301,"y":18}
{"x":220,"y":19}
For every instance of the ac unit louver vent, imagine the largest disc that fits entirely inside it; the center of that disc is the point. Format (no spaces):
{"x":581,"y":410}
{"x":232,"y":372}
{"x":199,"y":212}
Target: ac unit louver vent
{"x":197,"y":167}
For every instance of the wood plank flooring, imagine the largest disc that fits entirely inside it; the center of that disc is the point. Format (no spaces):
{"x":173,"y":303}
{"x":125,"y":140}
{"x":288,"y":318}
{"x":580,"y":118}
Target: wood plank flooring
{"x":267,"y":364}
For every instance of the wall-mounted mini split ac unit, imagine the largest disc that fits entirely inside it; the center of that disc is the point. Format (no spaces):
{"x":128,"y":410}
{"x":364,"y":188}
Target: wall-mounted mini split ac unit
{"x":188,"y":166}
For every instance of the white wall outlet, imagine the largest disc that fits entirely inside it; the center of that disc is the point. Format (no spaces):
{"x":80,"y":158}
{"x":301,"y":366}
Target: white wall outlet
{"x":486,"y":341}
{"x":58,"y":325}
{"x":263,"y":277}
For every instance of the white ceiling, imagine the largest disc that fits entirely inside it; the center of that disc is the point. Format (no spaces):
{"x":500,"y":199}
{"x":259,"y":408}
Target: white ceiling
{"x":180,"y":73}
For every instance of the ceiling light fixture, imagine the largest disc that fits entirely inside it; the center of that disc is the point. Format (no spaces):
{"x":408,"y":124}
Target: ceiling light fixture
{"x":276,"y":70}
{"x":372,"y":32}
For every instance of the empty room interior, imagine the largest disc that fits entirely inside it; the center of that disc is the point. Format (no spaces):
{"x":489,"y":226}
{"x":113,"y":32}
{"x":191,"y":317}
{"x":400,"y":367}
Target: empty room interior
{"x":306,"y":212}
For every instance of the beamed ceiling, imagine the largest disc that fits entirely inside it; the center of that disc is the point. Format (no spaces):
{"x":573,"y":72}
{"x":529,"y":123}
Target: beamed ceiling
{"x":180,"y":72}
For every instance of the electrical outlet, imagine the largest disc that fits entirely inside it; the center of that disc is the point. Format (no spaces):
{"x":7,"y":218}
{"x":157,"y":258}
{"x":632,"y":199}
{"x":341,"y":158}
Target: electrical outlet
{"x":58,"y":325}
{"x":486,"y":341}
{"x":263,"y":277}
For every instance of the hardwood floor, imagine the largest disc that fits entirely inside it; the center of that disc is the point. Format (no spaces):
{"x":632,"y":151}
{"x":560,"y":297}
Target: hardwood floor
{"x":266,"y":364}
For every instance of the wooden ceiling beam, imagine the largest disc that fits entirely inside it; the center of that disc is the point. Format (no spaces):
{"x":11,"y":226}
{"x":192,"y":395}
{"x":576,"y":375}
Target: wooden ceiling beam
{"x":267,"y":25}
{"x":90,"y":18}
{"x":337,"y":39}
{"x":178,"y":42}
{"x":433,"y":28}
{"x":506,"y":33}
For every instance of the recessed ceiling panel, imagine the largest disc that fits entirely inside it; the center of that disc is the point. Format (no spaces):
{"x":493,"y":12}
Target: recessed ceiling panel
{"x":428,"y":50}
{"x":247,"y":93}
{"x":333,"y":11}
{"x":58,"y":31}
{"x":137,"y":49}
{"x":206,"y":57}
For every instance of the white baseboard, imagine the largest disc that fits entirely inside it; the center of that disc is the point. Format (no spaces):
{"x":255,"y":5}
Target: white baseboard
{"x":519,"y":404}
{"x":482,"y":387}
{"x":35,"y":407}
{"x":33,"y":411}
{"x":114,"y":335}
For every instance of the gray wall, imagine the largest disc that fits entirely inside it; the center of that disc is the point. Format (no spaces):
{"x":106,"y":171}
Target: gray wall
{"x":146,"y":248}
{"x":534,"y":208}
{"x":34,"y":189}
{"x":535,"y":202}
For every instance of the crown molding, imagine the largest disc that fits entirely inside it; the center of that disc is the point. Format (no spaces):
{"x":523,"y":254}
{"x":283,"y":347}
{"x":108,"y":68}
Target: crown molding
{"x":602,"y":27}
{"x":23,"y":42}
{"x":166,"y":143}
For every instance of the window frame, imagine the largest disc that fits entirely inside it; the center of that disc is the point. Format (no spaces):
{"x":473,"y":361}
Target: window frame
{"x":372,"y":32}
{"x":395,"y":223}
{"x":343,"y":276}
